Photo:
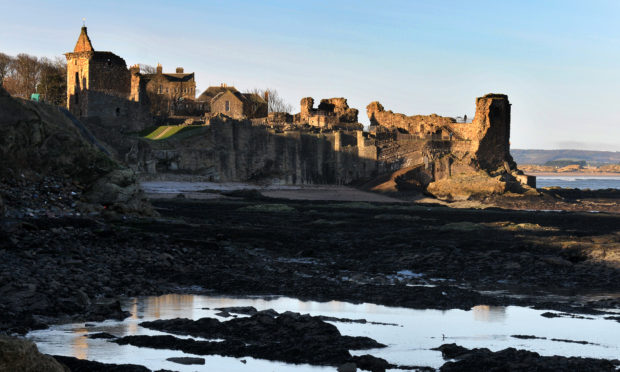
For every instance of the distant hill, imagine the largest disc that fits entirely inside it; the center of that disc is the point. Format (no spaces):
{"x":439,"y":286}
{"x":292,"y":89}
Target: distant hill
{"x":544,"y":156}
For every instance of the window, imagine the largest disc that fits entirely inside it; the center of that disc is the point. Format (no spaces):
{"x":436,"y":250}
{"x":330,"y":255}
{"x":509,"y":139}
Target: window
{"x":161,"y":88}
{"x":77,"y":79}
{"x":118,"y":112}
{"x":227,"y":106}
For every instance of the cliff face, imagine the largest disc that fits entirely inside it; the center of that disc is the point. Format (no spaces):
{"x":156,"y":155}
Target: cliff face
{"x":446,"y":158}
{"x":40,"y":140}
{"x":452,"y":160}
{"x":232,"y":150}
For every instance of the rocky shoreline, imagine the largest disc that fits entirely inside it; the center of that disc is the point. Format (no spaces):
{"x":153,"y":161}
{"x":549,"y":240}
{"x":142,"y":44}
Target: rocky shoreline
{"x":71,"y":268}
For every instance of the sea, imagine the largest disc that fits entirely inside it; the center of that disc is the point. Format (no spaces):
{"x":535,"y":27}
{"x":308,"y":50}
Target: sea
{"x":579,"y":182}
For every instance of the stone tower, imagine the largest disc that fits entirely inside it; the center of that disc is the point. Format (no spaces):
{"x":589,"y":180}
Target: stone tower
{"x":95,"y":80}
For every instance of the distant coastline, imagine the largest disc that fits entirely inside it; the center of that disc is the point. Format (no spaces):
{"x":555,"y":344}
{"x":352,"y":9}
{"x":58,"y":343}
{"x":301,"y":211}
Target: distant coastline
{"x":572,"y":174}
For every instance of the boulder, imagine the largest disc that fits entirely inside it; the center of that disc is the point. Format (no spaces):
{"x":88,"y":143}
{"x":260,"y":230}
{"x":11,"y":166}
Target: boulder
{"x":120,"y":191}
{"x":461,"y":187}
{"x":22,"y":355}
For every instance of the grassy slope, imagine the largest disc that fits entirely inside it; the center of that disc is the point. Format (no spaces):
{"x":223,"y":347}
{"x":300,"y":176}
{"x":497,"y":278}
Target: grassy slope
{"x":167,"y":131}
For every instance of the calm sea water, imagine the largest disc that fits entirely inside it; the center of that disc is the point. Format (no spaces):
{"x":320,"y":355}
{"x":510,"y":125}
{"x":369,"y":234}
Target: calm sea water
{"x":579,"y":182}
{"x":410,"y":341}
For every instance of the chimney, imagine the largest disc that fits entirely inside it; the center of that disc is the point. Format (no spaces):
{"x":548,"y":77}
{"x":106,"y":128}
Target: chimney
{"x":135,"y":69}
{"x":267,"y":96}
{"x":179,"y":70}
{"x":159,"y":69}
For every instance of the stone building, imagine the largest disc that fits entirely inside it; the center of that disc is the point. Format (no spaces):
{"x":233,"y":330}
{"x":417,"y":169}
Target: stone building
{"x":97,"y":82}
{"x":213,"y":91}
{"x":227,"y":100}
{"x":171,"y":93}
{"x":238,"y":105}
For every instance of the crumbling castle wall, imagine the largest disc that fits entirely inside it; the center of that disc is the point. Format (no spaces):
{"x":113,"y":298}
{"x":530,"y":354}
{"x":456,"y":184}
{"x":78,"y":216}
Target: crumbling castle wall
{"x":489,"y":132}
{"x":451,"y":159}
{"x":420,"y":125}
{"x":454,"y":160}
{"x":331,"y":113}
{"x":233,"y":150}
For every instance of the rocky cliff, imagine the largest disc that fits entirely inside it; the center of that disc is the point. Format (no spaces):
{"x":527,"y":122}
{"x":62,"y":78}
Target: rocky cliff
{"x":440,"y":156}
{"x":232,"y":150}
{"x":44,"y":150}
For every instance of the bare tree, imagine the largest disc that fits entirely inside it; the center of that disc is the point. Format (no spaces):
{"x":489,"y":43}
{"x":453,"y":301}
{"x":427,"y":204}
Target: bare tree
{"x":6,"y":62}
{"x":53,"y":81}
{"x":275,"y":103}
{"x":26,"y":74}
{"x":147,"y":69}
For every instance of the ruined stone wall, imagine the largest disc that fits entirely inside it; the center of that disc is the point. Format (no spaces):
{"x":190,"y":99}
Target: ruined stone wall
{"x":230,"y":150}
{"x":307,"y":109}
{"x":455,"y":160}
{"x":275,"y":118}
{"x":421,"y":125}
{"x":331,"y":113}
{"x":340,"y":109}
{"x":489,"y":132}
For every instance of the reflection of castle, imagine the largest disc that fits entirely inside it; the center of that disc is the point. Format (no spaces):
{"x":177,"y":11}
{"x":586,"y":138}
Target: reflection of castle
{"x":488,"y":313}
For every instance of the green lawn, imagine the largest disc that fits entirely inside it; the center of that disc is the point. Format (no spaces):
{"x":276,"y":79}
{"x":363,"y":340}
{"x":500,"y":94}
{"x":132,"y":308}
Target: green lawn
{"x":167,"y":131}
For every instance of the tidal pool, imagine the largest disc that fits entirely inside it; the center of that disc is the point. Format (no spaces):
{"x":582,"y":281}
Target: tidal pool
{"x":409,"y":342}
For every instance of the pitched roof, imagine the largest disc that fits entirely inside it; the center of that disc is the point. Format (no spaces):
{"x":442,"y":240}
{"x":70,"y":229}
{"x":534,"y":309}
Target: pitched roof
{"x":211,"y":92}
{"x":171,"y":77}
{"x":253,"y":97}
{"x":235,"y":93}
{"x":243,"y":97}
{"x":83,"y":43}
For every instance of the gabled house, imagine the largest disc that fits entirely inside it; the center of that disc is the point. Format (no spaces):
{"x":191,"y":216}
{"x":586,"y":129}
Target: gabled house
{"x":232,"y":103}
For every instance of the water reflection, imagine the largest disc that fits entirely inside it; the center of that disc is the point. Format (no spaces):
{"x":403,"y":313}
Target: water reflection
{"x":79,"y":346}
{"x":162,"y":306}
{"x":486,"y":313}
{"x":410,"y":342}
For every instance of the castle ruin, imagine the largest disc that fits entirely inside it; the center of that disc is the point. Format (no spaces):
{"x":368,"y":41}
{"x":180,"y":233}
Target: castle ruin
{"x":240,"y":140}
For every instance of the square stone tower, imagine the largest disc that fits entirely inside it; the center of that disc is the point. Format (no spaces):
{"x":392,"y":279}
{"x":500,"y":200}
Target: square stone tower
{"x":95,"y":80}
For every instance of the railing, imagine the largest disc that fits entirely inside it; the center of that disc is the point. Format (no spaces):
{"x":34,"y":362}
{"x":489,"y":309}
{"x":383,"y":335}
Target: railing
{"x":463,"y":119}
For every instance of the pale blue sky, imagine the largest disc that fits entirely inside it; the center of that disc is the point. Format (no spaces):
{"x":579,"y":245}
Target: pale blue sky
{"x":558,"y":61}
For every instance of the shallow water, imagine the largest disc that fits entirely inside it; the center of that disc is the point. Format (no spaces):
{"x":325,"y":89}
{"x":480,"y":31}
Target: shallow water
{"x":408,"y":343}
{"x":173,"y":187}
{"x":579,"y":182}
